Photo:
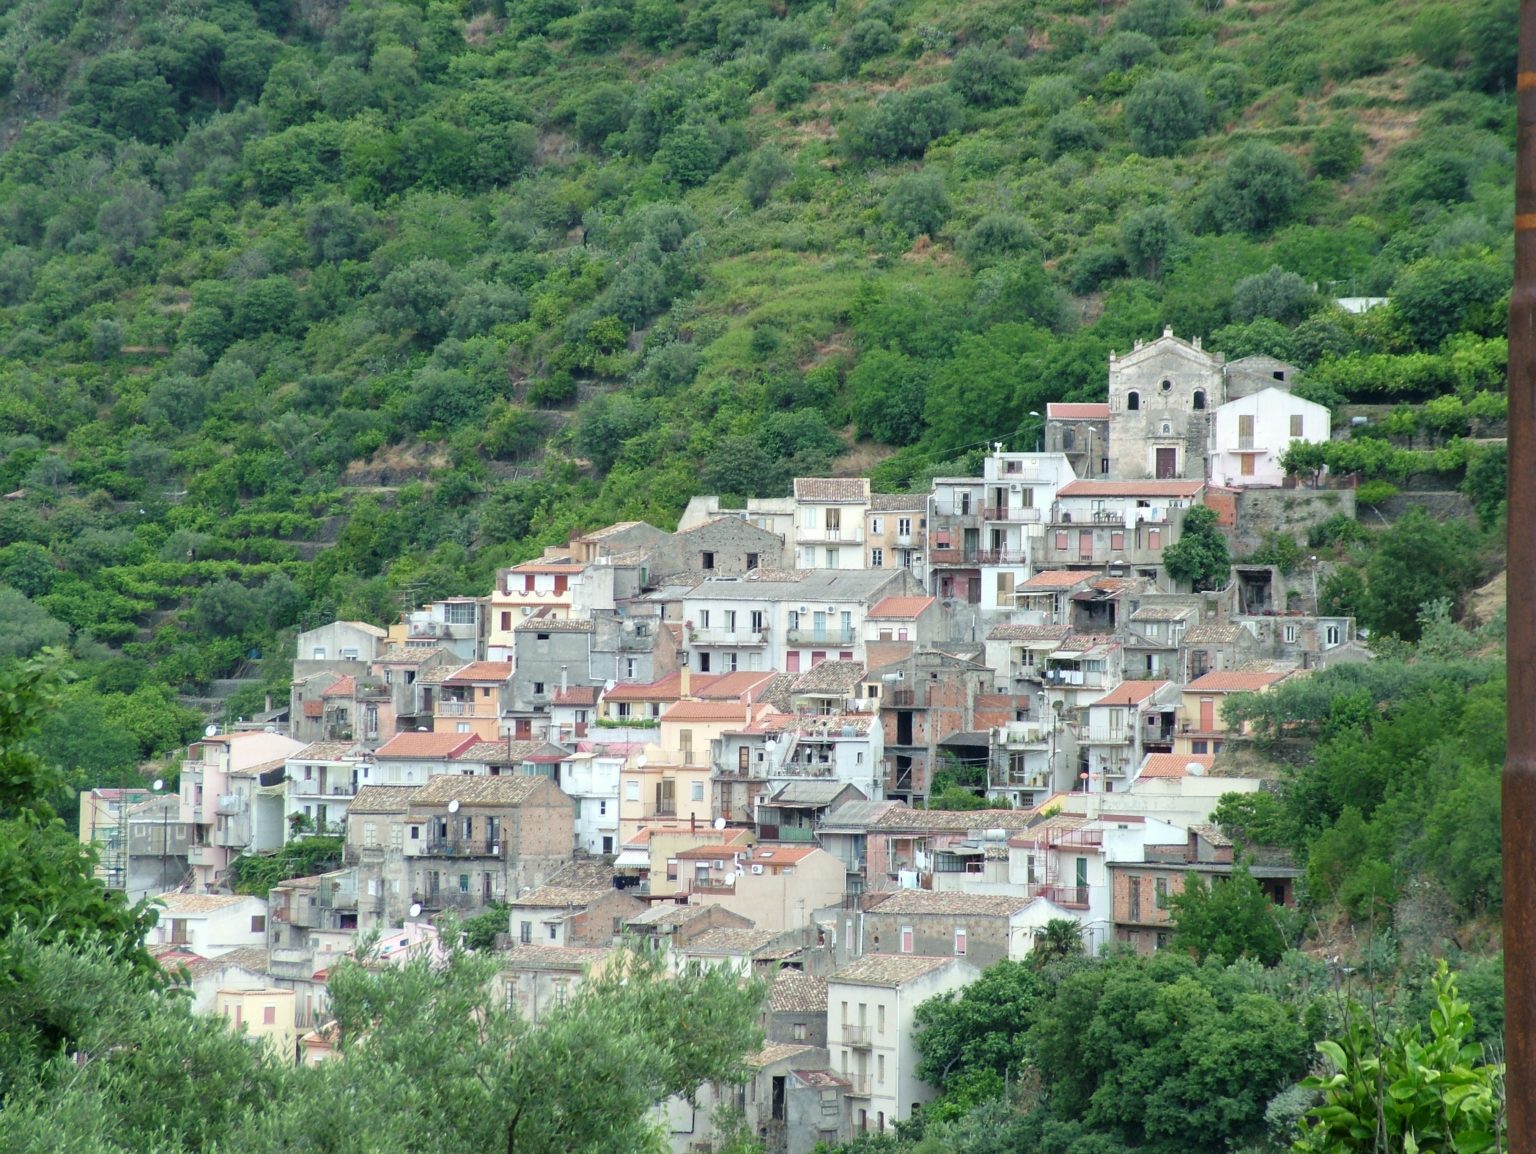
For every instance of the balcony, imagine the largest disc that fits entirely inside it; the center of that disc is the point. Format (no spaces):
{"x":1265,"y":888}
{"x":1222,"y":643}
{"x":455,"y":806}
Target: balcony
{"x":1069,"y":897}
{"x":230,"y":804}
{"x":1014,"y":513}
{"x":739,"y":639}
{"x":461,"y":847}
{"x":821,"y":636}
{"x":200,"y":855}
{"x":787,"y":833}
{"x":468,"y":709}
{"x":320,"y":788}
{"x":658,"y":809}
{"x":858,"y":1085}
{"x":231,"y":837}
{"x":857,"y":1037}
{"x":835,"y":535}
{"x":968,"y":558}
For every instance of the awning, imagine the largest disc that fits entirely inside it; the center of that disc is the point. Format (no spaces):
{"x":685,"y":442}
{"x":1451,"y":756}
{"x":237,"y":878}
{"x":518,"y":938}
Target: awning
{"x":632,"y":859}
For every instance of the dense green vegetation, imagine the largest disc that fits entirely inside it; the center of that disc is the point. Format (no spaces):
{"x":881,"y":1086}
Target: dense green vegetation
{"x":303,"y":305}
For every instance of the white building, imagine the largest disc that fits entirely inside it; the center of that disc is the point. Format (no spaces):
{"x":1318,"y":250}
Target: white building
{"x":871,"y":1011}
{"x":322,"y":778}
{"x":229,"y":810}
{"x":1251,"y":434}
{"x":209,"y":924}
{"x":1131,"y":720}
{"x":592,"y":781}
{"x":1019,"y":492}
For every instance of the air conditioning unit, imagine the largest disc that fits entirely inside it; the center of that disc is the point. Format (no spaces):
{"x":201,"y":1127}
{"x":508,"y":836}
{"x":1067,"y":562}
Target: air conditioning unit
{"x":527,"y":610}
{"x":757,"y":869}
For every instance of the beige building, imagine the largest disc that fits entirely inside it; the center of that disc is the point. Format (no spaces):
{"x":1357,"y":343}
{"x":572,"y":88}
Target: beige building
{"x":1161,"y":397}
{"x":780,"y":887}
{"x":871,"y":1014}
{"x":266,"y":1015}
{"x":1203,"y":726}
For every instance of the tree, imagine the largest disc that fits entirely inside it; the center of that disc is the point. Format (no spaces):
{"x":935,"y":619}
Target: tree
{"x":917,"y":204}
{"x":765,"y":171}
{"x":1164,"y":112}
{"x":1437,"y":296}
{"x":986,"y":76}
{"x":1417,"y":561}
{"x":904,"y":124}
{"x":418,"y":297}
{"x":1226,"y":919}
{"x":887,"y":390}
{"x":972,"y":1041}
{"x":1147,"y":238}
{"x":998,"y":236}
{"x":29,"y":627}
{"x":1200,"y":554}
{"x":1336,"y":150}
{"x":1276,"y":293}
{"x":866,"y":40}
{"x":1257,"y":190}
{"x":1059,"y":938}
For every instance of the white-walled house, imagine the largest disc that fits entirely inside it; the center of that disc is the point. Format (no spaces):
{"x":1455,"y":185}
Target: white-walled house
{"x":209,"y":924}
{"x":1020,"y":489}
{"x":225,"y":807}
{"x":1251,"y":434}
{"x":592,"y":781}
{"x":871,"y":1009}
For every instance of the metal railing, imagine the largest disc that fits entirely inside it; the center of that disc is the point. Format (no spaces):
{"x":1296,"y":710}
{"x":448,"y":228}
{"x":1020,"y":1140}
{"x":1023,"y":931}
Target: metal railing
{"x":822,"y":636}
{"x":462,"y":847}
{"x":857,"y":1037}
{"x":728,"y":637}
{"x":468,"y":709}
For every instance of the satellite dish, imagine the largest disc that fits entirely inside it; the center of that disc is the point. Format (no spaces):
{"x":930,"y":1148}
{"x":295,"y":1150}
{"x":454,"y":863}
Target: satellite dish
{"x":770,"y":745}
{"x":729,"y":879}
{"x":159,"y":784}
{"x":640,"y":762}
{"x":415,"y":909}
{"x":453,"y":806}
{"x":719,"y":823}
{"x":211,"y":731}
{"x":1194,"y":769}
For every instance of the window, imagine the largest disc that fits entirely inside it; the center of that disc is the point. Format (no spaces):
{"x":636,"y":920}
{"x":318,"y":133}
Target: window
{"x":880,"y":1018}
{"x":1296,"y":424}
{"x":525,"y":933}
{"x":874,"y":525}
{"x":239,"y":1014}
{"x":506,"y":622}
{"x":706,"y":560}
{"x":1162,"y":941}
{"x":703,"y":618}
{"x":1004,"y":587}
{"x":696,"y":791}
{"x":906,"y":939}
{"x":631,"y":790}
{"x":799,"y":1031}
{"x":1199,"y":747}
{"x":833,"y":556}
{"x":959,"y":941}
{"x":877,"y":558}
{"x":1331,"y":634}
{"x":880,"y":1069}
{"x":1199,"y":399}
{"x":554,"y":931}
{"x":462,"y":727}
{"x":1068,"y":440}
{"x":1160,"y":889}
{"x":1154,"y":539}
{"x":1290,"y":633}
{"x":730,"y":621}
{"x":1117,"y":540}
{"x":1135,"y":886}
{"x":1245,"y":465}
{"x":1132,"y":401}
{"x":459,"y":613}
{"x":1061,"y":540}
{"x":1245,"y":431}
{"x":463,"y":883}
{"x":602,"y":807}
{"x":904,"y":526}
{"x":415,"y":833}
{"x":318,"y":653}
{"x":751,"y":560}
{"x":630,"y":667}
{"x":835,"y":520}
{"x":269,"y":1015}
{"x":1166,"y":386}
{"x":258,"y":923}
{"x":757,"y":621}
{"x":538,"y":688}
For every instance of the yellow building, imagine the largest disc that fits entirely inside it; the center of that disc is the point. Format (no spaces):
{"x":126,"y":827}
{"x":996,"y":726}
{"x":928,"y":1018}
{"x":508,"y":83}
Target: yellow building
{"x":1203,"y":726}
{"x":265,"y":1014}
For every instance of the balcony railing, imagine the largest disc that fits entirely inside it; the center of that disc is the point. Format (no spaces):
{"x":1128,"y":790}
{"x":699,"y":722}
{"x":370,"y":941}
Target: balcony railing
{"x":853,"y":534}
{"x":461,"y":847}
{"x":199,"y":855}
{"x":969,"y":557}
{"x":468,"y":709}
{"x":856,"y":1037}
{"x":1071,"y":897}
{"x":796,"y":833}
{"x":1015,"y":513}
{"x":659,"y":809}
{"x":822,"y":636}
{"x":740,"y":638}
{"x":858,"y":1085}
{"x":230,"y":804}
{"x":312,"y":788}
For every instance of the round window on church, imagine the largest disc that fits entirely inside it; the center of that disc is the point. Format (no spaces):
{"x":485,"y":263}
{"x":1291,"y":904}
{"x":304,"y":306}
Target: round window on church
{"x":1167,"y":386}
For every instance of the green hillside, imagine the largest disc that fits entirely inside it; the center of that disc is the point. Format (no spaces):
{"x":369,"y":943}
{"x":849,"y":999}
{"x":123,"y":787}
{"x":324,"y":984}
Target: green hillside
{"x":304,"y":304}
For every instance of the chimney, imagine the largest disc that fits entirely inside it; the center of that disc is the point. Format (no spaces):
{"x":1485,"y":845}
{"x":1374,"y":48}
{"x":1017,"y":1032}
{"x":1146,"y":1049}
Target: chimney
{"x":564,"y":679}
{"x":684,"y":682}
{"x":269,"y":703}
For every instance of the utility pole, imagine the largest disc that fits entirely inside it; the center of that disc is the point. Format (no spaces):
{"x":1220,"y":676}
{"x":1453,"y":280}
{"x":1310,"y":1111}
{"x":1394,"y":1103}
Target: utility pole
{"x":1519,"y":817}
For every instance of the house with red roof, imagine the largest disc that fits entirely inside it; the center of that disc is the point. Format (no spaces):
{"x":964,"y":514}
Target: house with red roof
{"x":1117,"y":523}
{"x":473,"y":698}
{"x":1123,"y":726}
{"x":777,"y":886}
{"x":1203,"y":725}
{"x":1079,"y":431}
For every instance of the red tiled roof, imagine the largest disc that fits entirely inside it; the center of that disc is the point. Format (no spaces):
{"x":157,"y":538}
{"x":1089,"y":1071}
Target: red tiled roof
{"x":1174,"y":764}
{"x":481,"y":671}
{"x":1058,"y":579}
{"x":1231,"y":681}
{"x":664,"y":689}
{"x":577,"y":695}
{"x":1070,"y":411}
{"x":705,"y":711}
{"x":548,"y":567}
{"x":345,"y":687}
{"x":900,"y":607}
{"x":1131,"y":489}
{"x":1130,"y":693}
{"x":427,"y":745}
{"x":732,"y":686}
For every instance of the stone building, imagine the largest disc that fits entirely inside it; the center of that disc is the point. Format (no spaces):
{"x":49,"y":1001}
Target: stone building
{"x":1161,"y":396}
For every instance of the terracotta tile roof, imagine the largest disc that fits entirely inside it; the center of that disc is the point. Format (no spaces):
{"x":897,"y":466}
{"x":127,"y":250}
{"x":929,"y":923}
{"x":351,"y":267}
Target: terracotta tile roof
{"x":898,"y":502}
{"x":1076,"y":411}
{"x":668,"y":914}
{"x":832,"y":489}
{"x":437,"y":674}
{"x":498,"y":752}
{"x":577,"y":695}
{"x":1028,"y":632}
{"x":382,"y":799}
{"x":706,"y":711}
{"x":1131,"y":489}
{"x":342,"y":687}
{"x":426,"y":746}
{"x":1214,"y":633}
{"x":200,"y":903}
{"x":556,"y":625}
{"x":479,"y":671}
{"x":513,"y":789}
{"x":887,"y":969}
{"x":1211,"y":834}
{"x":829,"y":676}
{"x":252,"y":958}
{"x":727,"y":686}
{"x":410,"y":654}
{"x":905,"y":607}
{"x":534,"y":957}
{"x":663,"y":689}
{"x":561,"y":897}
{"x":1058,"y":579}
{"x":947,"y":819}
{"x":583,"y":873}
{"x":1174,"y":764}
{"x":329,"y":751}
{"x":1083,"y":642}
{"x":773,"y":1052}
{"x":796,"y":992}
{"x":1130,"y":693}
{"x":1227,"y":681}
{"x":906,"y":902}
{"x":733,"y":940}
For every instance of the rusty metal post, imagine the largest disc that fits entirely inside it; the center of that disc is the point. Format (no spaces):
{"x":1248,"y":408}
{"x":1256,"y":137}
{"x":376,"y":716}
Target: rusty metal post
{"x":1519,"y":817}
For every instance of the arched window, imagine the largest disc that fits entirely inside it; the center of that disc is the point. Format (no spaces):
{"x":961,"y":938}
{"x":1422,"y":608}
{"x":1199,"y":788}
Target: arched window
{"x":1199,"y":398}
{"x":1132,"y":401}
{"x":1167,"y":429}
{"x":1068,"y":440}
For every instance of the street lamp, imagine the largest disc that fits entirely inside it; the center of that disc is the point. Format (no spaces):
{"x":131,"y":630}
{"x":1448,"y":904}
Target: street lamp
{"x":1040,"y":441}
{"x":1316,"y":609}
{"x":159,"y":784}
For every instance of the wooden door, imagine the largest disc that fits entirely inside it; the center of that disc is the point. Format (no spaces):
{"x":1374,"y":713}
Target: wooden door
{"x":1167,"y":464}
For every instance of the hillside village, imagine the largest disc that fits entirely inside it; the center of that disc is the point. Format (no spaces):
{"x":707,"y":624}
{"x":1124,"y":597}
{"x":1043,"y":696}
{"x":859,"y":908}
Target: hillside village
{"x":736,"y":743}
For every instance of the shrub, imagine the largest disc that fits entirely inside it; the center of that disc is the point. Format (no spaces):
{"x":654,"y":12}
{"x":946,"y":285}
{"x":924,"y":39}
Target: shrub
{"x":1336,"y":151}
{"x":998,"y":236}
{"x":986,"y":77}
{"x":1276,"y":293}
{"x":904,"y":124}
{"x":1070,"y":131}
{"x":866,"y":40}
{"x":1257,"y":191}
{"x":917,"y":204}
{"x":1164,"y":112}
